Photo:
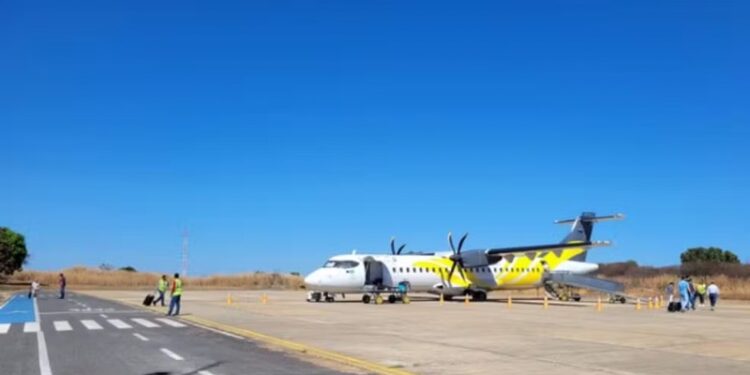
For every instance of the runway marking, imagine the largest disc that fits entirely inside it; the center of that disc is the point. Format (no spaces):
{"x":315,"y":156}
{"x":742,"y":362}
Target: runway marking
{"x":44,"y":367}
{"x":31,"y":327}
{"x":170,"y":322}
{"x":4,"y":328}
{"x":103,"y":316}
{"x":62,"y":325}
{"x":119,"y":324}
{"x":140,"y":337}
{"x":91,"y":324}
{"x":204,"y":372}
{"x":171,"y":354}
{"x":145,"y":323}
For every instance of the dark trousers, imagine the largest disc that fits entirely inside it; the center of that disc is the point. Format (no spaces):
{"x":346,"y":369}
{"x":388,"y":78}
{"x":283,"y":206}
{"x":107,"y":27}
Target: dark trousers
{"x":62,"y":292}
{"x":701,"y":296}
{"x":174,"y":303}
{"x":161,"y":298}
{"x":713,"y":298}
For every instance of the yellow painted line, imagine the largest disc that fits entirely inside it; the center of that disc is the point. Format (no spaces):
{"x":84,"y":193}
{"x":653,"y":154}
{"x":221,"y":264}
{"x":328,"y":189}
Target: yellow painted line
{"x":297,"y":347}
{"x":285,"y":344}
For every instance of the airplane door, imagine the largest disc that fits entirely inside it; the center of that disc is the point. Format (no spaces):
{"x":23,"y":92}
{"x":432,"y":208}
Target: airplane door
{"x":355,"y":276}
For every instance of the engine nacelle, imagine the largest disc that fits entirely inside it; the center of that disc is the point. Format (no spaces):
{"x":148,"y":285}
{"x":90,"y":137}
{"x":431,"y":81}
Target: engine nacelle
{"x":474,"y":258}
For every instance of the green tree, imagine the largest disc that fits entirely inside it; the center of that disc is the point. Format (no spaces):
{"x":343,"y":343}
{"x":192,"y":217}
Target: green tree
{"x":13,"y":252}
{"x":128,"y":269}
{"x":708,"y":254}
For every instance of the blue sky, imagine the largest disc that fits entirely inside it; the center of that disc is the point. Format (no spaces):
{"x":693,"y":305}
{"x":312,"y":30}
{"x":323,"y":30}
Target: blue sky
{"x":280,"y":133}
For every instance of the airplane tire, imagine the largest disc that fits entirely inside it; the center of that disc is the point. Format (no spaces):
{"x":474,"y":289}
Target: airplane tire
{"x":366,"y":299}
{"x":405,"y":299}
{"x":378,"y":299}
{"x":479,"y":296}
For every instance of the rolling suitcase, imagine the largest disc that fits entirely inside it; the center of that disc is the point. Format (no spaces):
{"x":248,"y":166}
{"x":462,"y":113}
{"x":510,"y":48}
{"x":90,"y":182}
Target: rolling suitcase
{"x":148,"y":300}
{"x":674,"y":307}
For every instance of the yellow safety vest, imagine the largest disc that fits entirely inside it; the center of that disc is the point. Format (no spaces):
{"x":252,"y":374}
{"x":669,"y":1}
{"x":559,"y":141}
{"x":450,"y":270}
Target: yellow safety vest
{"x":177,"y":287}
{"x":702,"y":288}
{"x":162,"y":285}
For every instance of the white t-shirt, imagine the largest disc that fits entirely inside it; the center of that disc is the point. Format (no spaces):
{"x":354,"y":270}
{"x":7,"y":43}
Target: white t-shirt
{"x":713,"y":289}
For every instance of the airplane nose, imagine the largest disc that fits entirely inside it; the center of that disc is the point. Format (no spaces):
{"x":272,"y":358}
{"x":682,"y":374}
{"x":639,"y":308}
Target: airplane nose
{"x":312,"y":280}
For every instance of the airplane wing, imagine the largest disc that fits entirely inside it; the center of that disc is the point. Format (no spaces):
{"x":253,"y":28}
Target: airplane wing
{"x":556,"y":246}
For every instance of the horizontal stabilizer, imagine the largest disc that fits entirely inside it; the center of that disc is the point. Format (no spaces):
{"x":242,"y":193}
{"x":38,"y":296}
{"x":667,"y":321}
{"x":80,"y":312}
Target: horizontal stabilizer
{"x":591,"y":218}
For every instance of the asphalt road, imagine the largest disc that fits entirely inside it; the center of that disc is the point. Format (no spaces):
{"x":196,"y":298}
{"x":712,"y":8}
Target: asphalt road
{"x":86,"y":335}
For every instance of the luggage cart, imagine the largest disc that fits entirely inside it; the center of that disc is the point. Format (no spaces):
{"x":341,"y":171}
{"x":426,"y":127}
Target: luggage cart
{"x":374,"y":294}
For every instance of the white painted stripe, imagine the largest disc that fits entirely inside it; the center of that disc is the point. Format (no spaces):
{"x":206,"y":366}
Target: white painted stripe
{"x":145,"y":323}
{"x":91,"y":324}
{"x":104,"y":316}
{"x":62,"y":325}
{"x":170,"y":322}
{"x":4,"y":328}
{"x":204,"y":372}
{"x":44,"y":367}
{"x":119,"y":324}
{"x":171,"y":354}
{"x":140,"y":337}
{"x":31,"y":327}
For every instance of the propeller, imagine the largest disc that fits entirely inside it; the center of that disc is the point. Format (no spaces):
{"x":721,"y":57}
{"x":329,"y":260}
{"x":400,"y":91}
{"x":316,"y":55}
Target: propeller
{"x":456,"y":257}
{"x":393,"y":247}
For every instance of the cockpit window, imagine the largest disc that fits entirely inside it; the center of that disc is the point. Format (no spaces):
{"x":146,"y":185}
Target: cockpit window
{"x":340,"y":264}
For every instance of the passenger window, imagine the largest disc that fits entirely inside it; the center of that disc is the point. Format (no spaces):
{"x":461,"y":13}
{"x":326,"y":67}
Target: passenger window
{"x":413,"y":269}
{"x":394,"y":269}
{"x":401,"y":269}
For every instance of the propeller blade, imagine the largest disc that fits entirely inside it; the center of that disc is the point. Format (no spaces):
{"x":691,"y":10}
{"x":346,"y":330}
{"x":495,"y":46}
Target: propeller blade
{"x":450,"y":274}
{"x":461,"y":242}
{"x":393,"y":245}
{"x":400,"y":248}
{"x":450,"y":241}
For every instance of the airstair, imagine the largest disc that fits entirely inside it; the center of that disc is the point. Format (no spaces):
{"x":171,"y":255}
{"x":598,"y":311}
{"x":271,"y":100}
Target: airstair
{"x":558,"y":285}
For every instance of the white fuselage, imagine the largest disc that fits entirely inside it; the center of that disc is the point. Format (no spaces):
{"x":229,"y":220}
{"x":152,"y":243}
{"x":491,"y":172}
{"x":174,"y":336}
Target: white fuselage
{"x":429,"y":273}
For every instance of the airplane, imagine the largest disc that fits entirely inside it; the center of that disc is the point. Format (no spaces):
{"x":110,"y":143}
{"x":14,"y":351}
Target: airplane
{"x":457,"y":272}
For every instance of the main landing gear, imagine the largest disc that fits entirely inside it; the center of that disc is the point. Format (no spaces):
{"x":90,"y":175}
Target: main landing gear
{"x":318,"y":296}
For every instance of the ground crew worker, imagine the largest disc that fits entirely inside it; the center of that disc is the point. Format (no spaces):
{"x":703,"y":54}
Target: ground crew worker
{"x":176,"y":292}
{"x":62,"y":283}
{"x":700,"y":292}
{"x":713,"y":294}
{"x":161,"y":288}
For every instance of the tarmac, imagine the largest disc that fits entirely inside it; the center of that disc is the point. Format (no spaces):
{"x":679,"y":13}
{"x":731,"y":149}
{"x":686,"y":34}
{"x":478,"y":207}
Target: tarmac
{"x":429,"y":337}
{"x":86,"y":335}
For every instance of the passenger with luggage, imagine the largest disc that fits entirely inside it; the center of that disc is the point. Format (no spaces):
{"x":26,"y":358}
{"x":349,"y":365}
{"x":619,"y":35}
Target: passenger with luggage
{"x":713,"y":294}
{"x":670,"y":292}
{"x":161,"y":288}
{"x":33,"y":289}
{"x":174,"y":303}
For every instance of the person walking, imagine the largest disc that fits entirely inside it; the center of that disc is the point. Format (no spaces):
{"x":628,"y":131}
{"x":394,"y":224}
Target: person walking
{"x":692,"y":293}
{"x":713,"y":295}
{"x":63,"y":283}
{"x":670,"y":292}
{"x":700,"y":292}
{"x":683,"y":288}
{"x":174,"y":303}
{"x":161,"y":288}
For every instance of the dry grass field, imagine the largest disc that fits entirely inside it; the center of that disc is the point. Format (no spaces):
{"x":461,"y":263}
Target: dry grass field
{"x":737,"y":288}
{"x":89,"y":278}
